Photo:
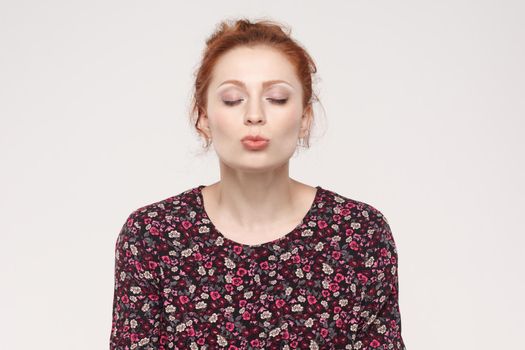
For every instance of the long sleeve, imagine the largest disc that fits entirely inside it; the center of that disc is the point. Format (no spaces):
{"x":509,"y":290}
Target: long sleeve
{"x":378,"y":325}
{"x":137,"y":299}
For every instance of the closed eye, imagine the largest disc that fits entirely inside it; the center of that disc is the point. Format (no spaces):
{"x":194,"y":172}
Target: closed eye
{"x":278,"y":101}
{"x":273,"y":100}
{"x":231,"y":103}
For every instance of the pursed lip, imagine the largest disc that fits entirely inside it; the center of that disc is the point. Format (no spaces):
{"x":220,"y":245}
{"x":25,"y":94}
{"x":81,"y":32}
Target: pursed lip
{"x":254,"y":138}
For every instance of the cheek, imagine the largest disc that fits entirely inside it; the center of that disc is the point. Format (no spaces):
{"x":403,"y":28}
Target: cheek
{"x":222,"y":121}
{"x":287,"y":124}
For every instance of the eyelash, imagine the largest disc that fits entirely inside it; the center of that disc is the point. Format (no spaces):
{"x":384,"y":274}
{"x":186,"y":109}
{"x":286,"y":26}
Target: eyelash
{"x":277,"y":101}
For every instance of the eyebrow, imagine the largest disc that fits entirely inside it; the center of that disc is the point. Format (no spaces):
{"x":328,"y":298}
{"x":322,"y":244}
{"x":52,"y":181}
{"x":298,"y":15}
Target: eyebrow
{"x":264,"y":84}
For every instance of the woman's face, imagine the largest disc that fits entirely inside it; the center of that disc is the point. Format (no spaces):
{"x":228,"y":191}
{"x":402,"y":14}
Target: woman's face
{"x":254,"y":91}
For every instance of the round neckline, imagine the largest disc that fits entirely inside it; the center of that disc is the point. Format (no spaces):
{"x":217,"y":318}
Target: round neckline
{"x":283,"y":239}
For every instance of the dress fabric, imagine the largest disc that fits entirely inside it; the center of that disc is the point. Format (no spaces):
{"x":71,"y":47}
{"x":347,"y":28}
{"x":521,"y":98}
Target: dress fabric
{"x":331,"y":283}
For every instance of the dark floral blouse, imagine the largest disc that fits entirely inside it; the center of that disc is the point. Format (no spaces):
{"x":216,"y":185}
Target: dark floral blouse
{"x":331,"y":283}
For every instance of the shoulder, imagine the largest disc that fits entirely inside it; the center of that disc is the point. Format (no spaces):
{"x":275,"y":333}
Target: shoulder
{"x":151,"y":221}
{"x":179,"y":205}
{"x":363,"y":220}
{"x":353,"y":208}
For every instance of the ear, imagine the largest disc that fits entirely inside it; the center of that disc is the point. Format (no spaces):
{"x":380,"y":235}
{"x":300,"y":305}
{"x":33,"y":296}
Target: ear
{"x":203,"y":123}
{"x":306,"y":120}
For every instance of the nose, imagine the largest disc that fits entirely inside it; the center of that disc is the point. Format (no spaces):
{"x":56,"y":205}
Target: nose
{"x":254,"y":114}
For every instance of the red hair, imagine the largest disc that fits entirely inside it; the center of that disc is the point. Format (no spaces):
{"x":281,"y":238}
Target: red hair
{"x":243,"y":32}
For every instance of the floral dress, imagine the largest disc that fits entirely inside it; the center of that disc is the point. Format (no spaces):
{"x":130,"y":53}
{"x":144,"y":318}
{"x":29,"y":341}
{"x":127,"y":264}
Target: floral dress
{"x":331,"y":283}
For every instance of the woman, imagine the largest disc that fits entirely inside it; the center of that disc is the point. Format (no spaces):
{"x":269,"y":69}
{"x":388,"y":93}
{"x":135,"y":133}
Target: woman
{"x":256,"y":260}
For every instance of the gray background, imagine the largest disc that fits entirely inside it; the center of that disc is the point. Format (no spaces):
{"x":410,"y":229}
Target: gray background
{"x":423,"y":119}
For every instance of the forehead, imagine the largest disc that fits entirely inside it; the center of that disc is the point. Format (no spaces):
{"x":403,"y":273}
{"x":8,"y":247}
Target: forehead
{"x":253,"y":65}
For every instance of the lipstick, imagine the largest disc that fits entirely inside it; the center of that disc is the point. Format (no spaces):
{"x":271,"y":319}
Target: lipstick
{"x":254,"y":142}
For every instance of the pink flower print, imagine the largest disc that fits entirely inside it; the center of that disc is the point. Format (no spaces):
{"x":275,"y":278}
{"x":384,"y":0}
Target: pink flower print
{"x":280,"y":303}
{"x":296,"y":259}
{"x":183,"y":299}
{"x":306,"y":268}
{"x":152,"y":265}
{"x":349,"y":231}
{"x":138,"y":266}
{"x":236,"y":281}
{"x":237,"y":249}
{"x":242,"y":271}
{"x":324,"y":332}
{"x":255,"y":343}
{"x":125,"y":299}
{"x":345,"y":211}
{"x":208,"y":265}
{"x":246,"y":315}
{"x":311,"y":299}
{"x":383,"y":252}
{"x":349,"y":205}
{"x":375,"y":344}
{"x":154,"y":231}
{"x":334,"y":287}
{"x":186,"y":224}
{"x":321,"y":224}
{"x":230,"y":326}
{"x":198,"y":256}
{"x":191,"y":331}
{"x":134,"y":337}
{"x":354,"y":245}
{"x":339,"y":277}
{"x":166,"y":259}
{"x":215,"y":295}
{"x":362,"y":277}
{"x":264,"y":265}
{"x":153,"y":297}
{"x":336,"y":254}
